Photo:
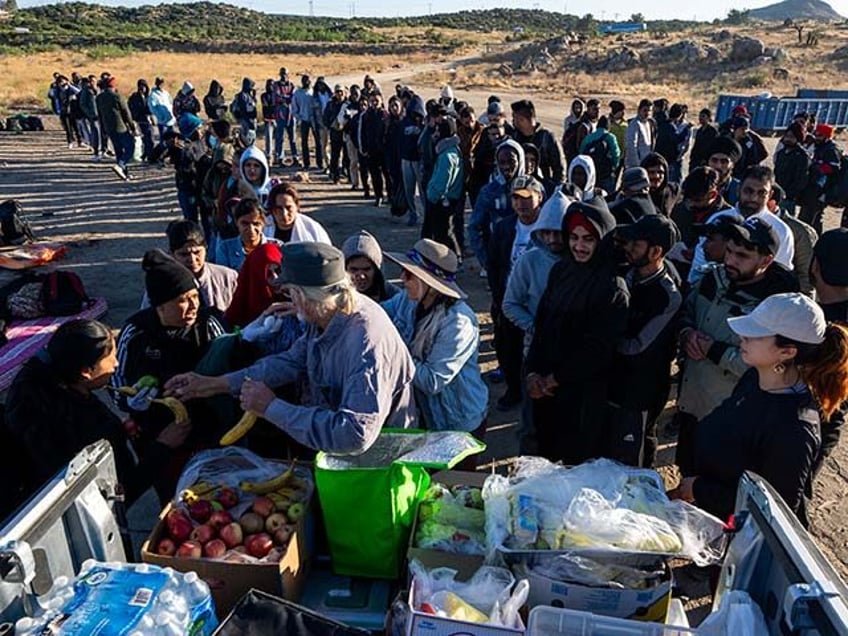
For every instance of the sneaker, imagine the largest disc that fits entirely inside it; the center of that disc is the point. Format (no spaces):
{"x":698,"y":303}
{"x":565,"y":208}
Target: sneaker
{"x":71,"y":146}
{"x":378,"y":201}
{"x":118,"y":170}
{"x":483,"y":274}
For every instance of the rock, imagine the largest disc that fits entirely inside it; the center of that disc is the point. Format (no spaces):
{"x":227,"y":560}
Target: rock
{"x":777,"y":53}
{"x":505,"y":70}
{"x":780,"y":74}
{"x":762,"y":60}
{"x":621,"y":59}
{"x":840,"y":53}
{"x":722,"y":36}
{"x":746,"y":50}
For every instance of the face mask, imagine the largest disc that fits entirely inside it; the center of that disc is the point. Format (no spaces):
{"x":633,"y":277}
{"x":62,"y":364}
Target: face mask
{"x":213,"y":142}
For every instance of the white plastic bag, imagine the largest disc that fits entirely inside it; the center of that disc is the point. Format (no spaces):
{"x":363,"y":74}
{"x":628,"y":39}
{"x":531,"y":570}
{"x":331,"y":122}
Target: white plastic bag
{"x":738,"y":615}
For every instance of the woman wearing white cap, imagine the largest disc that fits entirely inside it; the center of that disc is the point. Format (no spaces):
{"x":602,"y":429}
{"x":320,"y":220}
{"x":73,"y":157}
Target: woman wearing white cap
{"x":441,"y":332}
{"x":771,"y":422}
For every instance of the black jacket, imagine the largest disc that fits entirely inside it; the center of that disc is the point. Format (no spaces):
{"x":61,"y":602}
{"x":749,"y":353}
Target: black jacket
{"x":700,"y":153}
{"x":139,"y":110}
{"x":581,"y":318}
{"x":550,"y":154}
{"x":373,"y":126}
{"x":686,"y":218}
{"x":642,"y":362}
{"x":145,"y":347}
{"x":499,"y":265}
{"x":776,"y":435}
{"x":791,"y":170}
{"x":214,"y":104}
{"x":753,"y":152}
{"x":54,"y":423}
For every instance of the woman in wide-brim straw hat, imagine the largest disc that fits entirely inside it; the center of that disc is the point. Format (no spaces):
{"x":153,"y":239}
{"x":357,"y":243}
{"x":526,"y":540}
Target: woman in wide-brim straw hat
{"x":442,"y":334}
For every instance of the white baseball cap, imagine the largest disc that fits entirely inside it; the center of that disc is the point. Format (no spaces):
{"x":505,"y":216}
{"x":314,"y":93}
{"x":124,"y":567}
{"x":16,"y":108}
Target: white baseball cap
{"x":793,"y":316}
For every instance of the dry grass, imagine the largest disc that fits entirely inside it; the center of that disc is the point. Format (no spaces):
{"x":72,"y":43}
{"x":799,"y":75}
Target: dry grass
{"x":26,"y":79}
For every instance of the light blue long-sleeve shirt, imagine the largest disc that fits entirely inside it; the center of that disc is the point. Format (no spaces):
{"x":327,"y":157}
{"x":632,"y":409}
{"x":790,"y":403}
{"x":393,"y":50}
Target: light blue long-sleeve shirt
{"x":358,"y":373}
{"x":449,"y":390}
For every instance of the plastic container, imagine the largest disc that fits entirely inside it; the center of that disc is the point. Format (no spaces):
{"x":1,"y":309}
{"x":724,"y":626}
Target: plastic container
{"x":551,"y":621}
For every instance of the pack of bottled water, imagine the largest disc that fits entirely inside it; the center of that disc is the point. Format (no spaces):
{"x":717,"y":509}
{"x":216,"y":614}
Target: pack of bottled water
{"x":123,"y":599}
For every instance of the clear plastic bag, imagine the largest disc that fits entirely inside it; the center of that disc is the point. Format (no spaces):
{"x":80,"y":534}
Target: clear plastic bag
{"x":737,"y":614}
{"x":598,"y":505}
{"x":478,"y":600}
{"x":573,"y":568}
{"x":446,"y":524}
{"x":429,"y":449}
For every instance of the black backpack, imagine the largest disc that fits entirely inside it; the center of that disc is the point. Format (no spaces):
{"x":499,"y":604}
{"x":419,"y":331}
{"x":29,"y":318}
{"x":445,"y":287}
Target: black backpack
{"x":14,"y":228}
{"x":63,"y":294}
{"x":599,"y":150}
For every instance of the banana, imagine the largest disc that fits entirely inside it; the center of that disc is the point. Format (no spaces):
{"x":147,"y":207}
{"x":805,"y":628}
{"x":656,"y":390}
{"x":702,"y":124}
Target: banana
{"x":271,"y":485}
{"x":240,"y":429}
{"x":176,"y":407}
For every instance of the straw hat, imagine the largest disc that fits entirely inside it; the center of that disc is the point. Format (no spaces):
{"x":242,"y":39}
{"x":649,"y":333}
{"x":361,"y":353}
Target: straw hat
{"x":433,"y":263}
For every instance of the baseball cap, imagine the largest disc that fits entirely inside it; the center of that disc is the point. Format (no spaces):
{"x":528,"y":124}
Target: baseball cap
{"x":635,"y":179}
{"x":719,"y":224}
{"x":756,"y":232}
{"x":656,"y":229}
{"x":524,"y":186}
{"x":793,"y":316}
{"x":310,"y":264}
{"x":495,"y":109}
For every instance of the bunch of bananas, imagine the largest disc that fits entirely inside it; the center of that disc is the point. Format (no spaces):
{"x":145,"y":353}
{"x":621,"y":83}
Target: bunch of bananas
{"x":173,"y":404}
{"x":200,"y":490}
{"x":285,"y":482}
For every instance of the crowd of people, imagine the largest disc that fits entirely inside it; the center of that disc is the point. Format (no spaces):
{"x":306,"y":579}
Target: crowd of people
{"x":610,"y":265}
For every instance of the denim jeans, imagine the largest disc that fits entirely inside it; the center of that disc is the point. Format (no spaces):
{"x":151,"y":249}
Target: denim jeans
{"x":270,"y":129}
{"x":284,"y":127}
{"x":188,"y":204}
{"x":411,"y":171}
{"x":306,"y":127}
{"x":145,"y":128}
{"x":124,"y":144}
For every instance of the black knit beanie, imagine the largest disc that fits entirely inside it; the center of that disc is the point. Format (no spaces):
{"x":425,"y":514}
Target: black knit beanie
{"x":165,"y":278}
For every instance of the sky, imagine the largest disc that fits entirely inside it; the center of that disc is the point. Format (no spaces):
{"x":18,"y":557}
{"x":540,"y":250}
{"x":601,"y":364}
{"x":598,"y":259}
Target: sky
{"x":608,"y":10}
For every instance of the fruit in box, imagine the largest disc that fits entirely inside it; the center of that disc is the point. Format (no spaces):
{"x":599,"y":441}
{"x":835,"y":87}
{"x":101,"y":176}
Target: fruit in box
{"x":231,"y":534}
{"x":215,"y":549}
{"x":259,"y":545}
{"x":263,"y":506}
{"x":166,"y":547}
{"x":179,"y":525}
{"x":251,"y":523}
{"x":220,"y":518}
{"x":283,"y":535}
{"x":190,"y":550}
{"x":295,"y":511}
{"x":203,"y":534}
{"x":227,"y":497}
{"x":275,"y":521}
{"x":200,"y":510}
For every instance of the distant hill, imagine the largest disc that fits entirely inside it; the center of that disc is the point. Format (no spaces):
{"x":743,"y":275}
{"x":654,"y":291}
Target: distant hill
{"x":796,"y":10}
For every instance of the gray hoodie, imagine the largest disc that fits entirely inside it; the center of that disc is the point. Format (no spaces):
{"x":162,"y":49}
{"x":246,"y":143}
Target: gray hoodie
{"x":529,"y":276}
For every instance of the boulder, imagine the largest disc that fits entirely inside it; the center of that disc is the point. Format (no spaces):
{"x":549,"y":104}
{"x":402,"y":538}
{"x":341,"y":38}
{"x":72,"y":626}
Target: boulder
{"x":621,"y":59}
{"x":841,"y":53}
{"x":780,"y":74}
{"x":777,"y":53}
{"x":505,"y":70}
{"x":763,"y":60}
{"x":746,"y":49}
{"x":722,"y":36}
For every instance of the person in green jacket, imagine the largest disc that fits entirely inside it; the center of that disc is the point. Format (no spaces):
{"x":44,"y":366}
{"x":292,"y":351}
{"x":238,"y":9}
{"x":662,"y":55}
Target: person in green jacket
{"x":445,"y":202}
{"x":603,"y":147}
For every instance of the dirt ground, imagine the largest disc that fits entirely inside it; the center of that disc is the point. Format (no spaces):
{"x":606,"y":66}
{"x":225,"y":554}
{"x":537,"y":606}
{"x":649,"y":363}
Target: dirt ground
{"x":108,"y":224}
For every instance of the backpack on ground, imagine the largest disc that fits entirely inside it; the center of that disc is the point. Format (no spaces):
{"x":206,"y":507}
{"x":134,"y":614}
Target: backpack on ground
{"x":63,"y":294}
{"x":14,"y":228}
{"x":599,"y":151}
{"x":32,"y":123}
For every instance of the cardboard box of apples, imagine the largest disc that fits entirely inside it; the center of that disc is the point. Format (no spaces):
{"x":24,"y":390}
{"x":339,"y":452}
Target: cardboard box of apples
{"x":237,"y":537}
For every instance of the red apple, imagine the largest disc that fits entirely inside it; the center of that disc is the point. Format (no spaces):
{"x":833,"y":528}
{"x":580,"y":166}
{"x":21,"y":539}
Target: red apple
{"x":259,"y":545}
{"x":251,"y":523}
{"x":166,"y":547}
{"x":179,"y":525}
{"x":220,"y":518}
{"x":227,"y":497}
{"x":231,"y":534}
{"x":296,"y":511}
{"x":200,"y":510}
{"x":190,"y":550}
{"x":263,"y":506}
{"x":273,"y":522}
{"x":203,"y":534}
{"x":215,"y":549}
{"x":283,"y":535}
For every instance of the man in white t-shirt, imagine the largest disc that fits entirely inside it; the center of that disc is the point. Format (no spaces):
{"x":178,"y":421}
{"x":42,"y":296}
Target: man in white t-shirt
{"x":754,"y":194}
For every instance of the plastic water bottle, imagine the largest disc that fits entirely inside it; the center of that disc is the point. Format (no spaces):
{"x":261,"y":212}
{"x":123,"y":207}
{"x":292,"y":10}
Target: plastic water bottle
{"x":27,"y":626}
{"x":197,"y":590}
{"x":174,"y":604}
{"x":166,"y":626}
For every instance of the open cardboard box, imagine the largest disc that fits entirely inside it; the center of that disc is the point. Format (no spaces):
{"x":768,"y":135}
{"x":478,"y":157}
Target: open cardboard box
{"x":465,"y":564}
{"x":230,"y":581}
{"x":421,"y":624}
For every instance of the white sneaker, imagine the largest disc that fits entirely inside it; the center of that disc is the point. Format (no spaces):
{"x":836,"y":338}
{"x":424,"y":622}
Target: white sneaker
{"x":71,"y":146}
{"x":483,"y":274}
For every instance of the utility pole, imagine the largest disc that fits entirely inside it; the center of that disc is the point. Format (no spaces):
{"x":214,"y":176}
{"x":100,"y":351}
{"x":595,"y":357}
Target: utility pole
{"x":312,"y":8}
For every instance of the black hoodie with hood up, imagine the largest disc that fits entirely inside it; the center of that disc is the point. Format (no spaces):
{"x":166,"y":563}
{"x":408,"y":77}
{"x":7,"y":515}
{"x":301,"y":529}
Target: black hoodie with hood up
{"x":214,"y":104}
{"x":580,"y":319}
{"x":665,"y":197}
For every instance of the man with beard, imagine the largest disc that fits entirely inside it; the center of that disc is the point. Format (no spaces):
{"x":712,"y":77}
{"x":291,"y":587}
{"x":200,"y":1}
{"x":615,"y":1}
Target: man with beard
{"x":754,"y":194}
{"x":722,"y":157}
{"x":713,"y":363}
{"x":827,"y":160}
{"x":527,"y":129}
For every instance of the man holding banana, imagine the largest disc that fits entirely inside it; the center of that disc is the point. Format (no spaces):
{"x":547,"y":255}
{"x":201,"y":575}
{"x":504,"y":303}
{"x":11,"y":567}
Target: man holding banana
{"x":358,"y":370}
